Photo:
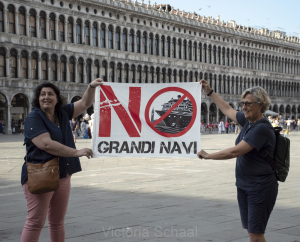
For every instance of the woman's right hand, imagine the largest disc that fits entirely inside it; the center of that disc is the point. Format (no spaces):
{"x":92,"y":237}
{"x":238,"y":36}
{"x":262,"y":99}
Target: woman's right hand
{"x":85,"y":152}
{"x":205,"y":86}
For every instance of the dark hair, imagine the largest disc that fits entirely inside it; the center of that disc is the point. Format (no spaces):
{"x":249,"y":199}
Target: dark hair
{"x":35,"y":102}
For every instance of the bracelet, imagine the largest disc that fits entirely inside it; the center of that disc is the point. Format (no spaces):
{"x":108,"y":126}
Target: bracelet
{"x":210,"y":92}
{"x":91,"y":86}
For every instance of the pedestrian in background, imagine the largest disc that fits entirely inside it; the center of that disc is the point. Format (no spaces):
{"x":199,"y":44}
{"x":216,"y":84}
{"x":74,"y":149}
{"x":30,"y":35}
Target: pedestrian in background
{"x":256,"y":181}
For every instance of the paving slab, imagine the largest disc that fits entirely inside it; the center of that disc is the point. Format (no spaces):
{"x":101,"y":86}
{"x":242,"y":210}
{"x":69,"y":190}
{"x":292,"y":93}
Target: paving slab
{"x":151,"y":199}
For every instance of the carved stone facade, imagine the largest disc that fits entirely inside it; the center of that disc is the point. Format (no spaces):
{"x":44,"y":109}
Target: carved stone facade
{"x":71,"y":43}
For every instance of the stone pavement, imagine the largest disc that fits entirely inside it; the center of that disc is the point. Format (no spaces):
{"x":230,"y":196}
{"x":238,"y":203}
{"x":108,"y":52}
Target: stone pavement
{"x":151,"y":199}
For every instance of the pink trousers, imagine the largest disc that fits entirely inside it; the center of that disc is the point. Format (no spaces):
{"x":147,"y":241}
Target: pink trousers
{"x":39,"y":205}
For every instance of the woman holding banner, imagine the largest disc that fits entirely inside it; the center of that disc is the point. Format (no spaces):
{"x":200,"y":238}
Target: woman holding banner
{"x":48,"y":135}
{"x":256,"y":181}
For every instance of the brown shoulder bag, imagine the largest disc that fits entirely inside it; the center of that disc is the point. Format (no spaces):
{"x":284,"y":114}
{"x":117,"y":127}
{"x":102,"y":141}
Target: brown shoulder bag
{"x":43,"y":177}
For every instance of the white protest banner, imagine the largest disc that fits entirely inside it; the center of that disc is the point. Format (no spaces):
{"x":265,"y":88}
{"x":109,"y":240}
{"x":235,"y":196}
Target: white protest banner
{"x":147,"y":120}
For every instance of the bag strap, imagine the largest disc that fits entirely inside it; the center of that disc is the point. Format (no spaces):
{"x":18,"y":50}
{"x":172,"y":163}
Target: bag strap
{"x":264,"y":153}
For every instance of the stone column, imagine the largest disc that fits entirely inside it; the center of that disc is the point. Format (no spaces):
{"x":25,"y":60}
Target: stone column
{"x":121,"y":38}
{"x":58,"y":74}
{"x":39,"y":69}
{"x":217,"y":115}
{"x":127,"y":40}
{"x":217,"y":85}
{"x":8,"y":123}
{"x":194,"y":51}
{"x":98,"y":33}
{"x":67,"y":71}
{"x":47,"y":28}
{"x":56,"y":29}
{"x":84,"y":72}
{"x":49,"y":69}
{"x":106,"y":38}
{"x":82,"y":33}
{"x":217,"y":57}
{"x":5,"y":20}
{"x":29,"y":67}
{"x":74,"y":32}
{"x":66,"y":30}
{"x":91,"y":36}
{"x":229,"y":58}
{"x":7,"y":65}
{"x":37,"y":26}
{"x":19,"y":66}
{"x":206,"y":54}
{"x":207,"y":115}
{"x":134,"y":41}
{"x":158,"y":45}
{"x":75,"y":71}
{"x":92,"y":71}
{"x":17,"y":21}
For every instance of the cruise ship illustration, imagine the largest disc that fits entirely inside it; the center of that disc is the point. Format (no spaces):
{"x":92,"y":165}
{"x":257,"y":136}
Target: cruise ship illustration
{"x":178,"y":119}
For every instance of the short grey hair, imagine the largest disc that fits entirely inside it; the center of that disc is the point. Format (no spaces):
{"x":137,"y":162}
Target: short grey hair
{"x":260,"y":95}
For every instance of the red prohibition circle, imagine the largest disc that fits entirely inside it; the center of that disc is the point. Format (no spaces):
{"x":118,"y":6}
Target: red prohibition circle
{"x":169,"y":89}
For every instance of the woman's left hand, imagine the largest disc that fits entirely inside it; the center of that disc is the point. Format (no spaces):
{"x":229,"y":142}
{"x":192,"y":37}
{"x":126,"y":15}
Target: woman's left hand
{"x":202,"y":155}
{"x":97,"y":82}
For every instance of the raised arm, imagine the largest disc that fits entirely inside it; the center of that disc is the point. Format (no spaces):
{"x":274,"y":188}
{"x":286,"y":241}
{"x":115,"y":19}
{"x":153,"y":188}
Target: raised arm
{"x":222,"y":105}
{"x":87,"y":99}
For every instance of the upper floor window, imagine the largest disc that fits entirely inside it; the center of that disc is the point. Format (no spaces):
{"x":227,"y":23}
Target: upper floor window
{"x":156,"y":45}
{"x":94,"y":34}
{"x":34,"y":65}
{"x":131,"y":49}
{"x":32,"y":23}
{"x":124,"y":39}
{"x":24,"y":64}
{"x":110,"y":37}
{"x":61,"y":31}
{"x":138,"y":42}
{"x":2,"y":62}
{"x":70,"y":30}
{"x":11,"y":19}
{"x":1,"y":18}
{"x":22,"y":21}
{"x":117,"y":39}
{"x":102,"y":35}
{"x":78,"y":31}
{"x":150,"y":44}
{"x":87,"y":33}
{"x":52,"y":27}
{"x":42,"y":25}
{"x":144,"y":43}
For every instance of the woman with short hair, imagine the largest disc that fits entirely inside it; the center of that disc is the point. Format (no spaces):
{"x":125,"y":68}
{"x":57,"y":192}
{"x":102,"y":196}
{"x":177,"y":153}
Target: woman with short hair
{"x":48,"y":135}
{"x":256,"y":182}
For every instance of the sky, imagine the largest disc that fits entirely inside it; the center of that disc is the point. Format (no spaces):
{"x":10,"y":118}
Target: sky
{"x":280,"y":15}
